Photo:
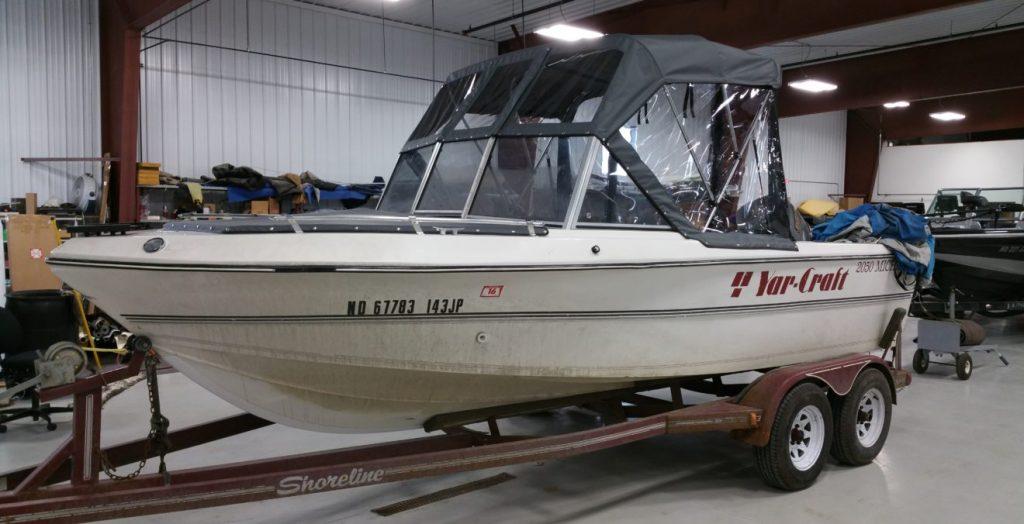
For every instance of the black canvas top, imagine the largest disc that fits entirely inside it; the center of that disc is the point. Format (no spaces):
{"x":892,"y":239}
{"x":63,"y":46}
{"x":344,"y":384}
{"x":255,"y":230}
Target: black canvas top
{"x":639,"y":65}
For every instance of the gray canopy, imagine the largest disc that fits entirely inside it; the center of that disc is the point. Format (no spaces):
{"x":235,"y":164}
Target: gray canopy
{"x":641,"y":64}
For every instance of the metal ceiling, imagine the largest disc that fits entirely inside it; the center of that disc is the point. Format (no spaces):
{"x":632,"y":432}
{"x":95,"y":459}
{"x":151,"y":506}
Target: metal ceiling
{"x":982,"y":15}
{"x":456,"y":16}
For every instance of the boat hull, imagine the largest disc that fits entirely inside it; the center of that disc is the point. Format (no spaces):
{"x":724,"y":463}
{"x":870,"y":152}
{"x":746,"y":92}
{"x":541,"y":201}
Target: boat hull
{"x":372,"y":348}
{"x":981,"y":266}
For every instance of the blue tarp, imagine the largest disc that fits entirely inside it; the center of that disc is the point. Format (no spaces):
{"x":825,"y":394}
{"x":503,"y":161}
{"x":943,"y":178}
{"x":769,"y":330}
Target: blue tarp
{"x":887,"y":222}
{"x":241,"y":194}
{"x":342,"y":193}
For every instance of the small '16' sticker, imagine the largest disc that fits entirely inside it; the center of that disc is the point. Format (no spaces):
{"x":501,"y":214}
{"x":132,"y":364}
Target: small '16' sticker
{"x":491,"y":291}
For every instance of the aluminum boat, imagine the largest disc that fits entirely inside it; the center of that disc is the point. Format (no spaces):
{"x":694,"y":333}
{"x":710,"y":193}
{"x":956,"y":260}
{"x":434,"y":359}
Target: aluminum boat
{"x":563,"y":220}
{"x":979,"y":248}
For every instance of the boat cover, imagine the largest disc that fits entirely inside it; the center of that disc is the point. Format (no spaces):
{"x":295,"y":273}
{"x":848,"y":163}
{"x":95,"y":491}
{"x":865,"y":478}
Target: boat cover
{"x":904,"y":232}
{"x":692,"y":122}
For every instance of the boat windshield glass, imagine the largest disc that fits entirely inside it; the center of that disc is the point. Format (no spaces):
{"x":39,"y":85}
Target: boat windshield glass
{"x":1003,"y":195}
{"x":570,"y":87}
{"x":952,"y":201}
{"x":405,"y":181}
{"x":947,"y":201}
{"x":531,"y":178}
{"x":452,"y":178}
{"x":444,"y":105}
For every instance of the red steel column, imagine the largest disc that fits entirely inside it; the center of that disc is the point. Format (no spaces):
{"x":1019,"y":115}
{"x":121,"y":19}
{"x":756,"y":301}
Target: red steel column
{"x":121,"y":25}
{"x":119,"y":104}
{"x":863,"y":141}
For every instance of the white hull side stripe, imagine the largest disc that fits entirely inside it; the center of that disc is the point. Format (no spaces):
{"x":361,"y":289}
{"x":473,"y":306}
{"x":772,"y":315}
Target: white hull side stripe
{"x":516,"y":314}
{"x":443,"y":269}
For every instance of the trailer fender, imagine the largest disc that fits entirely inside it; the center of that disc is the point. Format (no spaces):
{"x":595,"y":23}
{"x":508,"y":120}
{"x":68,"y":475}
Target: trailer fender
{"x":767,"y":392}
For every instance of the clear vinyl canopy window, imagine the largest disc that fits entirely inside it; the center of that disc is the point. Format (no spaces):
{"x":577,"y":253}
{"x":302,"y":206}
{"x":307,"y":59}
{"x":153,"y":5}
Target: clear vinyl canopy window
{"x":494,"y":96}
{"x":711,"y":147}
{"x":569,"y":88}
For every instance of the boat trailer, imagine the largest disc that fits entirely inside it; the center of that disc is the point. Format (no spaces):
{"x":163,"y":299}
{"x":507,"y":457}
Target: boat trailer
{"x":66,"y":487}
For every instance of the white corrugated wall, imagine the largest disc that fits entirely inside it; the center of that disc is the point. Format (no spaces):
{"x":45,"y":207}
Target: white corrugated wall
{"x":814,"y":155}
{"x":204,"y":105}
{"x":50,"y":106}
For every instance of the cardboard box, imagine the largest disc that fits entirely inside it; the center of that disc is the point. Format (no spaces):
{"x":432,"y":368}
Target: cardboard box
{"x":848,"y":202}
{"x":148,"y":178}
{"x":148,"y":173}
{"x":265,"y":207}
{"x":30,"y":238}
{"x":259,"y":207}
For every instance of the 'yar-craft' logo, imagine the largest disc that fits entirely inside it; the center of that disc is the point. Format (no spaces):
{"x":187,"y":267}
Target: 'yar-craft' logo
{"x":771,"y":284}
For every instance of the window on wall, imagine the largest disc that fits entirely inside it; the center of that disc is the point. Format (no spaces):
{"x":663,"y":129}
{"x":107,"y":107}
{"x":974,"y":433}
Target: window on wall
{"x":452,"y":178}
{"x":530,"y":178}
{"x":570,"y":88}
{"x":441,"y":109}
{"x":494,"y":96}
{"x":405,"y":181}
{"x":612,"y":198}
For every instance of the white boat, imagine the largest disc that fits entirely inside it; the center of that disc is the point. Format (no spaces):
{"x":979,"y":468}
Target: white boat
{"x":563,"y":220}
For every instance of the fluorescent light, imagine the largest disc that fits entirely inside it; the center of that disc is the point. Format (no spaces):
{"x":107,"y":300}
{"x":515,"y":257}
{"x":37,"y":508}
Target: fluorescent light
{"x":813,"y":86}
{"x":568,"y":33}
{"x":899,"y":104}
{"x":948,"y":116}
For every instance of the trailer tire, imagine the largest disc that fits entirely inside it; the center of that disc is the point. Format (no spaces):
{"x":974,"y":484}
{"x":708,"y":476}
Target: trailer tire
{"x":920,"y":361}
{"x":801,"y":434}
{"x":862,"y":419}
{"x":964,"y":366}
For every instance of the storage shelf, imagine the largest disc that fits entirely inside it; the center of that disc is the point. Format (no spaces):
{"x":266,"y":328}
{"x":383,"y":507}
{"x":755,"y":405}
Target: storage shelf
{"x":169,"y":186}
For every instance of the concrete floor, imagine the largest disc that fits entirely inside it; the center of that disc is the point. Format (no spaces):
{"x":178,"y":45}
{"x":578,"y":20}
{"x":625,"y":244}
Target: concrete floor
{"x":954,"y":454}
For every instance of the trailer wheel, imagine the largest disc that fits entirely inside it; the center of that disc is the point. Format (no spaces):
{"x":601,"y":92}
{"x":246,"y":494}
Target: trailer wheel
{"x":920,"y":361}
{"x":964,"y":366}
{"x":862,"y":423}
{"x":801,"y":433}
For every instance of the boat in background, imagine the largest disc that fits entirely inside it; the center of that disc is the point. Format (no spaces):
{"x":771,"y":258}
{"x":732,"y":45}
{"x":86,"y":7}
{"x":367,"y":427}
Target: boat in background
{"x":563,"y":220}
{"x":979,"y":250}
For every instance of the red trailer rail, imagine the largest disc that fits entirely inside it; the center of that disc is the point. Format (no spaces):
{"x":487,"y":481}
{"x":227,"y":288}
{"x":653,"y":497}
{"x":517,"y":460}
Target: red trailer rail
{"x":787,"y":414}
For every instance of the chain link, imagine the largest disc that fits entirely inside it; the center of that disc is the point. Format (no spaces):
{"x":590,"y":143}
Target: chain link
{"x":157,"y":437}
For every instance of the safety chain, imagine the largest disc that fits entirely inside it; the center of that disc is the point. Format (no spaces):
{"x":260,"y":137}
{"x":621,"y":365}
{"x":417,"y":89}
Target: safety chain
{"x":158,"y":425}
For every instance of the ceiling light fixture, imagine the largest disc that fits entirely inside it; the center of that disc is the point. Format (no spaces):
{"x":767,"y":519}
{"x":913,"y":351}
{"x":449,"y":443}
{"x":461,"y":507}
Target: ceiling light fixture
{"x":948,"y":116}
{"x":899,"y":104}
{"x":813,"y":86}
{"x":568,"y":33}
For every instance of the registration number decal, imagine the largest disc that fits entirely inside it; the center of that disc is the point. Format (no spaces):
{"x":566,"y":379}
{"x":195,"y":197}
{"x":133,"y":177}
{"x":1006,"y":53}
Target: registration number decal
{"x":405,"y":306}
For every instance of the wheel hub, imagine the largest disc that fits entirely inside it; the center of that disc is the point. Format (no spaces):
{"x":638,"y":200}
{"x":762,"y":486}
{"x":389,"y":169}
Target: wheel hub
{"x":806,"y":438}
{"x":870,"y":417}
